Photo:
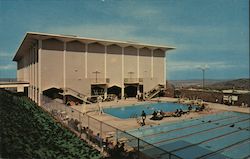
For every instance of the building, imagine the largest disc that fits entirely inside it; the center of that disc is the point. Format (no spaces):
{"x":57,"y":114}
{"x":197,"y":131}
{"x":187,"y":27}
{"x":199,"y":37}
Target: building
{"x":89,"y":66}
{"x":236,"y":97}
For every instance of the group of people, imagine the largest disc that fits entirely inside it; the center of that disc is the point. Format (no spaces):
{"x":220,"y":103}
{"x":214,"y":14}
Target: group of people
{"x":158,"y":115}
{"x":201,"y":108}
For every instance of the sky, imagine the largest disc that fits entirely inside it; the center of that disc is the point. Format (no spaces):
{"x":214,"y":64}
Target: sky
{"x":212,"y":34}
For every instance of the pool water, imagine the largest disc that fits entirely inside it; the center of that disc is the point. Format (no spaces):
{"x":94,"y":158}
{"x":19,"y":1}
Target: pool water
{"x":136,"y":110}
{"x":217,"y":136}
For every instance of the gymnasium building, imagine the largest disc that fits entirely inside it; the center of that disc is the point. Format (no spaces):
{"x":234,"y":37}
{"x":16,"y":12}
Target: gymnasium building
{"x":84,"y":67}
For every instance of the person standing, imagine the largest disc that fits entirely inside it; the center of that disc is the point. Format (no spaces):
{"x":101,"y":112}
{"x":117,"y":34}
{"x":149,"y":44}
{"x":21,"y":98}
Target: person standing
{"x":143,"y":116}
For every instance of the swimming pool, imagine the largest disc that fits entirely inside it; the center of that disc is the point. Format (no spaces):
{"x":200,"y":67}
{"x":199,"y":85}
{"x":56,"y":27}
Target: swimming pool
{"x":217,"y":136}
{"x":136,"y":110}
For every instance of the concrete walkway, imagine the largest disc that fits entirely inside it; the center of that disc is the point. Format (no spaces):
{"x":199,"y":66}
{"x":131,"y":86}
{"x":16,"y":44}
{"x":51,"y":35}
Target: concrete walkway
{"x":132,"y":123}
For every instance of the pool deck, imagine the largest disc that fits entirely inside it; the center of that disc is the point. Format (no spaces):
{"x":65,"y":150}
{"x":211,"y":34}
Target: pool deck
{"x":127,"y":124}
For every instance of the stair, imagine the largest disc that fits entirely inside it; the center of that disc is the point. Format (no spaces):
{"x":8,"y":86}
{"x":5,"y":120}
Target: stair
{"x":74,"y":93}
{"x":153,"y":92}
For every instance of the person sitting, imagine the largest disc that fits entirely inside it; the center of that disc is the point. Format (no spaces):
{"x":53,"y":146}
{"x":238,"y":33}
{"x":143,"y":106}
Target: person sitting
{"x":121,"y":148}
{"x":201,"y":108}
{"x":156,"y":116}
{"x":176,"y":113}
{"x":162,"y":113}
{"x":197,"y":109}
{"x":190,"y":107}
{"x":181,"y":111}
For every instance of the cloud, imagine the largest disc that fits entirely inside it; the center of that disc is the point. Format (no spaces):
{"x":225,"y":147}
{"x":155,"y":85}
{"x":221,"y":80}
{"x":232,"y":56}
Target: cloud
{"x":222,"y":47}
{"x":5,"y":54}
{"x":142,"y":12}
{"x":126,"y":32}
{"x":96,"y":31}
{"x":8,"y":67}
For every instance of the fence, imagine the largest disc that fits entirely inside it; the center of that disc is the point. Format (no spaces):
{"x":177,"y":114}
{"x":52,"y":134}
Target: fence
{"x":102,"y":135}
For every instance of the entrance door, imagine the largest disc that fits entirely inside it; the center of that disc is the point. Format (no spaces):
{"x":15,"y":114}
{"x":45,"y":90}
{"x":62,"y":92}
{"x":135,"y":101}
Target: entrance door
{"x":131,"y":90}
{"x":115,"y":90}
{"x":97,"y":90}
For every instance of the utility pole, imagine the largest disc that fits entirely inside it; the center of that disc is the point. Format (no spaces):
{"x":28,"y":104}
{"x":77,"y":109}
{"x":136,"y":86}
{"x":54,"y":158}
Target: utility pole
{"x":96,"y":72}
{"x":203,"y":69}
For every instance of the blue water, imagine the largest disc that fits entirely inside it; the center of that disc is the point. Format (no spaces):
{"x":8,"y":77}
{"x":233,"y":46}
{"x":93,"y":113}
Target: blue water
{"x":217,"y":136}
{"x":149,"y":108}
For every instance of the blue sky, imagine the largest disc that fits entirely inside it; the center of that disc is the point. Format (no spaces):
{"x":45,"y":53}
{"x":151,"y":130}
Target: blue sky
{"x":214,"y":33}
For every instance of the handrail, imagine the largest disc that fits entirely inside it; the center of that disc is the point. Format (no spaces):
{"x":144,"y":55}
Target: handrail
{"x":79,"y":95}
{"x":154,"y":91}
{"x":113,"y":127}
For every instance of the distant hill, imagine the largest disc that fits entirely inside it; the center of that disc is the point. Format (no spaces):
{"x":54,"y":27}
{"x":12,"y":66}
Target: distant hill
{"x":243,"y":84}
{"x":194,"y":82}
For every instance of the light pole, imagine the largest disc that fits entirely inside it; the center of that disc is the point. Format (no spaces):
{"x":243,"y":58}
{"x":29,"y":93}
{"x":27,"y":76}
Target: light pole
{"x":203,"y":69}
{"x":96,"y":72}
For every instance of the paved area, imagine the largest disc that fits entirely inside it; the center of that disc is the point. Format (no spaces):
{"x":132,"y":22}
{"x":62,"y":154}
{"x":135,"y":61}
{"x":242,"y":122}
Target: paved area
{"x":132,"y":123}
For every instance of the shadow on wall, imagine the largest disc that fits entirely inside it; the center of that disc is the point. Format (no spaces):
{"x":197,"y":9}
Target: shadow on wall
{"x":53,"y":93}
{"x":115,"y":90}
{"x":131,"y":91}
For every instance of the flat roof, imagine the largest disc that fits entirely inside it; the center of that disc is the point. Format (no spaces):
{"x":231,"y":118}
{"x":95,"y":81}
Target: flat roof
{"x":31,"y":37}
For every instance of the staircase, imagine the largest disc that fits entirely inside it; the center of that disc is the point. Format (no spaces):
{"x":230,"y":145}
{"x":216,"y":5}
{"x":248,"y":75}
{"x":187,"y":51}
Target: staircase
{"x":74,"y":93}
{"x":155,"y":91}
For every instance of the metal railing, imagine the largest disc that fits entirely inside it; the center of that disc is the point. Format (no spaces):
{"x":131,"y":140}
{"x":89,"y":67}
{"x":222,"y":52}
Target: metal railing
{"x":11,"y":80}
{"x":102,"y":135}
{"x":77,"y":94}
{"x":99,"y":80}
{"x":133,"y":80}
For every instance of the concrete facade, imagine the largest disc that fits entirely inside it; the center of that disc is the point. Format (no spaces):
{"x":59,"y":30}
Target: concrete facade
{"x":82,"y":64}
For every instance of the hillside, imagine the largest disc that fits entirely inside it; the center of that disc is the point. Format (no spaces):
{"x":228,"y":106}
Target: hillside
{"x":242,"y":84}
{"x":194,"y":82}
{"x":28,"y":132}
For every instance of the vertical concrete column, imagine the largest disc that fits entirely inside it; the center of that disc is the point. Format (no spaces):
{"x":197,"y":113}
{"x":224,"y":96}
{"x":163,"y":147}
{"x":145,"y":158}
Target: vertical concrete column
{"x":105,"y":92}
{"x":24,"y":68}
{"x":29,"y":90}
{"x":32,"y":77}
{"x":86,"y":60}
{"x":36,"y":73}
{"x":105,"y":71}
{"x":165,"y":69}
{"x":138,"y":63}
{"x":39,"y":71}
{"x":122,"y":85}
{"x":138,"y":70}
{"x":105,"y":62}
{"x":152,"y":63}
{"x":64,"y":70}
{"x":33,"y":74}
{"x":138,"y":89}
